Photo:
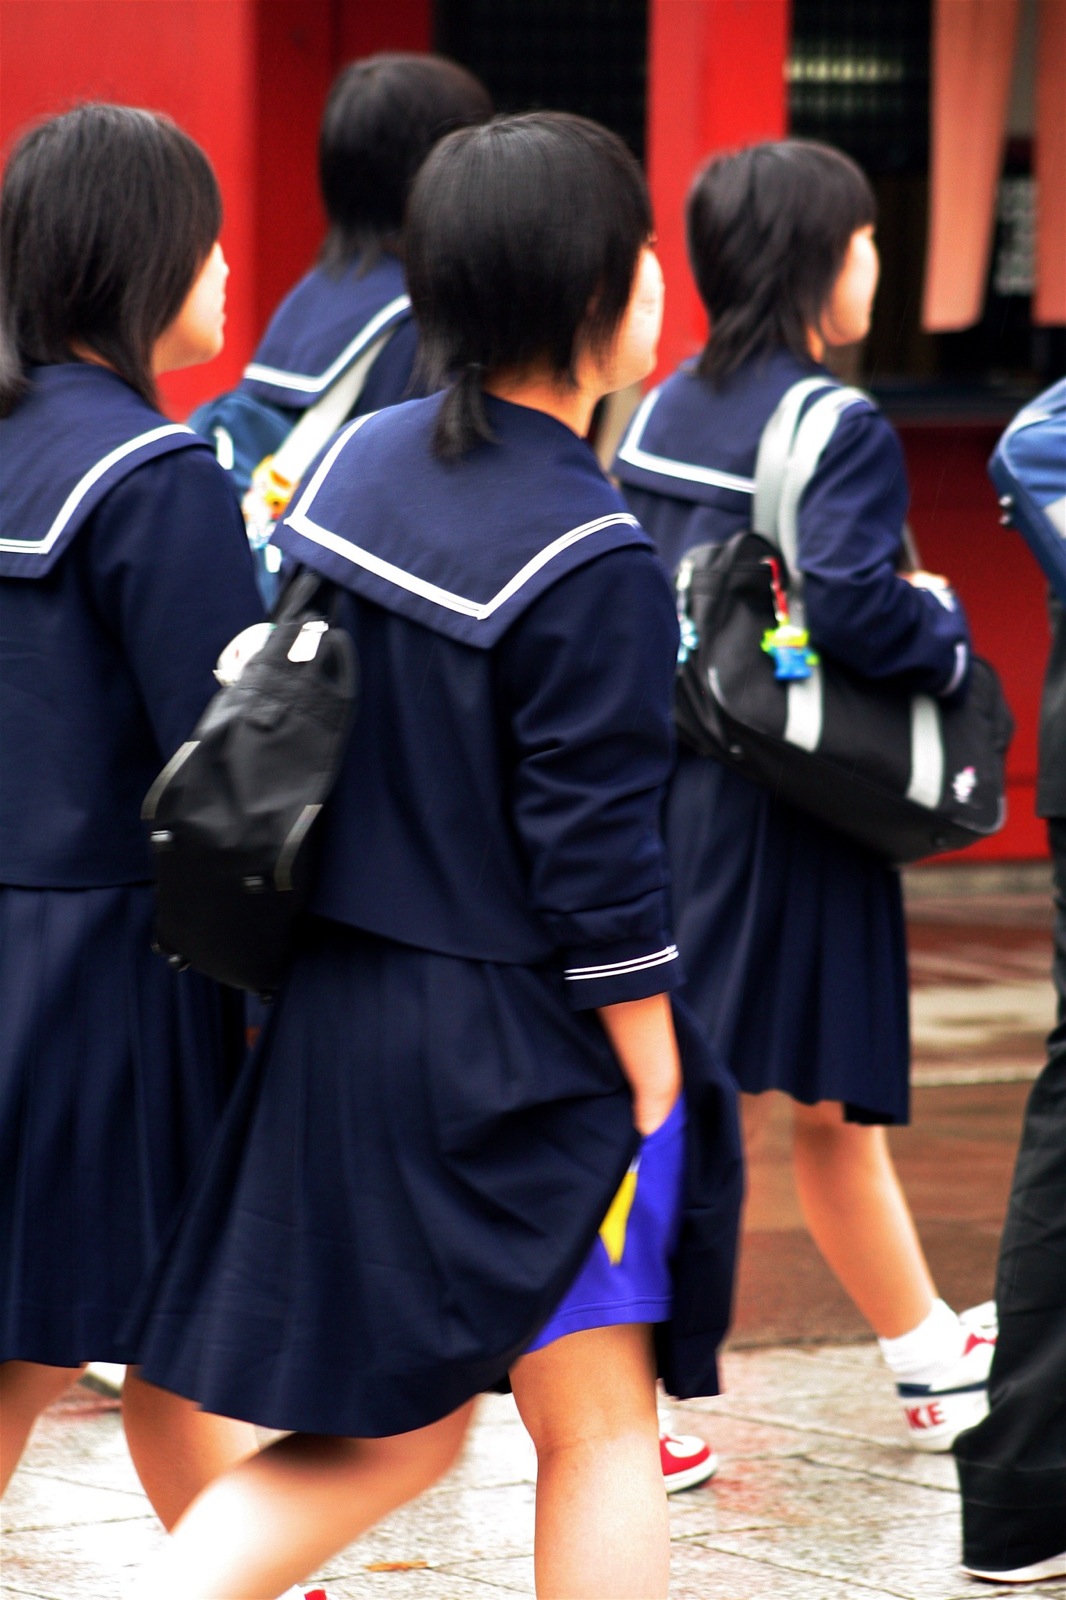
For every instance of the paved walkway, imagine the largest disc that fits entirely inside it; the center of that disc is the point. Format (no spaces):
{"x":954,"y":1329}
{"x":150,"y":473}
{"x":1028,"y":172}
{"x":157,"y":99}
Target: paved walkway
{"x":818,"y":1498}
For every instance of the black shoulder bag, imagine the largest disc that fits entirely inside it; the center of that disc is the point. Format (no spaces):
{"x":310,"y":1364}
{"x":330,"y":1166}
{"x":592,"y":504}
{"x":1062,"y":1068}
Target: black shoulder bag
{"x":905,"y":775}
{"x":232,"y":813}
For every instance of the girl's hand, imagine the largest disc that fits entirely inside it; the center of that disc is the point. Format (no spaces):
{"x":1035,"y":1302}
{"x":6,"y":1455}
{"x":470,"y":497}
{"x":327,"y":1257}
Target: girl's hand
{"x":642,"y":1035}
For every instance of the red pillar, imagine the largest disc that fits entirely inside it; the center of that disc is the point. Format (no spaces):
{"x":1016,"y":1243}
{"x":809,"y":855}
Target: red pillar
{"x":716,"y":80}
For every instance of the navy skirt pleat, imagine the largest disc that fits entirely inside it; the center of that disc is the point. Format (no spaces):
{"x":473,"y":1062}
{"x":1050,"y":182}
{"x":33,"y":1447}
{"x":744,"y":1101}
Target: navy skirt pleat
{"x":113,"y":1074}
{"x":412,"y":1170}
{"x":793,"y":942}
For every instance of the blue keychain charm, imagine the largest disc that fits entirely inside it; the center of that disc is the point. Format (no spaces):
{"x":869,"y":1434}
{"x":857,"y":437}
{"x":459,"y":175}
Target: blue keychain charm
{"x":689,"y":641}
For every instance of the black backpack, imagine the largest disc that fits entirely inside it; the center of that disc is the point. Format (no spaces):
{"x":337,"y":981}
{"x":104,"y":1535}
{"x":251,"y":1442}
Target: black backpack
{"x":905,"y":775}
{"x":232,"y":813}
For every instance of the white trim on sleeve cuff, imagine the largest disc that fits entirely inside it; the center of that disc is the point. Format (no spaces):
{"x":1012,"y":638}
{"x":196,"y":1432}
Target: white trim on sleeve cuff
{"x":619,"y":969}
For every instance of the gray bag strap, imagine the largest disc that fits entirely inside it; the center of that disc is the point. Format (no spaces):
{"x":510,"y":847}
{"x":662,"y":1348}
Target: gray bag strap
{"x":789,"y":453}
{"x":775,"y":447}
{"x":813,"y":434}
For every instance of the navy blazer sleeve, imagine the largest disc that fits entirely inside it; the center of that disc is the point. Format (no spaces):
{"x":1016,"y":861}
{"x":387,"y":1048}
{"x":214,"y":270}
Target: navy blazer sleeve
{"x":859,"y":610}
{"x":586,"y":677}
{"x":171,"y":573}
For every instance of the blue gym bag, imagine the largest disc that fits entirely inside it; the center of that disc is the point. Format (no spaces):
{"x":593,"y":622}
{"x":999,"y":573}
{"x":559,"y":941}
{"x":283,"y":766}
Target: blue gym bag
{"x":1028,"y":468}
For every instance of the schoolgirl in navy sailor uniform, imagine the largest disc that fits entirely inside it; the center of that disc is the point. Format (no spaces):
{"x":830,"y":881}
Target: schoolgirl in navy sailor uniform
{"x":466,"y":1103}
{"x":383,"y":116}
{"x":123,"y":572}
{"x":792,"y":937}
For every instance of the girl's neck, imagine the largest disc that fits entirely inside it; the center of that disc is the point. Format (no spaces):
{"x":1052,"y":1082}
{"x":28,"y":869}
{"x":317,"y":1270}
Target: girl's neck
{"x":569,"y":404}
{"x":85,"y":353}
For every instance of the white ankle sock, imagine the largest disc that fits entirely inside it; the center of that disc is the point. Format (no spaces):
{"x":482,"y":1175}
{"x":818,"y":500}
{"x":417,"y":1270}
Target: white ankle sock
{"x":927,"y":1351}
{"x":294,"y":1593}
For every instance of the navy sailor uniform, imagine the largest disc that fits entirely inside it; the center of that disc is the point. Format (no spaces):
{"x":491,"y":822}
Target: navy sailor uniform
{"x":426,"y":1142}
{"x":323,"y":325}
{"x":792,"y":937}
{"x":123,"y":571}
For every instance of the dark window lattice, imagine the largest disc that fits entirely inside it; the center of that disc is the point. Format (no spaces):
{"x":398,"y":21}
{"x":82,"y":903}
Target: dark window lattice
{"x":859,"y":79}
{"x":587,"y":56}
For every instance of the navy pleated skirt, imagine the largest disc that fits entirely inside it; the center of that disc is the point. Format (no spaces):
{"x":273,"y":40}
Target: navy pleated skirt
{"x":793,"y":942}
{"x":113,"y":1074}
{"x":413,"y":1169}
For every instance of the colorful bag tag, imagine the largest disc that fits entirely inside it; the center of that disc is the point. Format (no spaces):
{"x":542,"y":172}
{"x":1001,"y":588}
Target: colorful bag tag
{"x":787,"y":644}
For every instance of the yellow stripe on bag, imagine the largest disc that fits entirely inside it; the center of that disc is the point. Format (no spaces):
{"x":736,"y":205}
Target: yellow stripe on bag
{"x":613,"y":1227}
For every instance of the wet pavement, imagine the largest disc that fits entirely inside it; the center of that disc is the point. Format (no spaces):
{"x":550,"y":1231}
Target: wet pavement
{"x":818,"y":1496}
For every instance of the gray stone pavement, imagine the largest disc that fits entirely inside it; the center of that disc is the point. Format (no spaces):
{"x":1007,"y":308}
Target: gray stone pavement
{"x":818,"y":1498}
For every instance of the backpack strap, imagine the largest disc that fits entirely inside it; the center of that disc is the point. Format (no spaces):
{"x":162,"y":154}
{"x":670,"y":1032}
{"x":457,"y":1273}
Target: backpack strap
{"x":275,"y":478}
{"x":320,"y":421}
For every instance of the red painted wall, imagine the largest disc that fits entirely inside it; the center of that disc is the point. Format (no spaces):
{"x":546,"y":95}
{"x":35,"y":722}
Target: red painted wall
{"x":716,"y":80}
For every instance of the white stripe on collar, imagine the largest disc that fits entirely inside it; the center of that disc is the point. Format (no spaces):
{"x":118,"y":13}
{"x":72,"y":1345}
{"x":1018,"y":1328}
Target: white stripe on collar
{"x":386,"y":570}
{"x":305,"y":385}
{"x":631,"y":452}
{"x":41,"y":547}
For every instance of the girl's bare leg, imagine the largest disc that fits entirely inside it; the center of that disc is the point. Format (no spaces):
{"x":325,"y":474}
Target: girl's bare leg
{"x":176,"y":1448}
{"x":859,"y":1219}
{"x":588,"y":1401}
{"x":270,"y":1521}
{"x":26,"y":1389}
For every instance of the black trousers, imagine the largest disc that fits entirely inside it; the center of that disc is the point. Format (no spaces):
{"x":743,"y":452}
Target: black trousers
{"x":1012,"y":1466}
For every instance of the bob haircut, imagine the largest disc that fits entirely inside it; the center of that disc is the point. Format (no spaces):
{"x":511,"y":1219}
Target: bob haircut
{"x":768,"y":230}
{"x":522,"y":243}
{"x":382,"y":118}
{"x":107,"y":215}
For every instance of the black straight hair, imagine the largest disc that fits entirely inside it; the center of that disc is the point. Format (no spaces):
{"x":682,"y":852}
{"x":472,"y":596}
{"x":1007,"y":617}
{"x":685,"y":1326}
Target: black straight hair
{"x":107,"y":215}
{"x":768,"y":231}
{"x":383,"y":116}
{"x":521,"y":244}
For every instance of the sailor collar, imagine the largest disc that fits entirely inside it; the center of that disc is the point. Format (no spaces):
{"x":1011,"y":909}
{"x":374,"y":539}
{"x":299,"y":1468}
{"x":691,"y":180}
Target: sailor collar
{"x":321,"y":328}
{"x":461,"y":547}
{"x":78,"y":432}
{"x":677,"y":445}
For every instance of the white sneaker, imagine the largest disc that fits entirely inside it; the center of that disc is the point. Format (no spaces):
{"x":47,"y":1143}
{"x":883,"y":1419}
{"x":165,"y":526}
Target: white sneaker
{"x":982,"y":1319}
{"x":1053,"y":1567}
{"x":936,"y":1413}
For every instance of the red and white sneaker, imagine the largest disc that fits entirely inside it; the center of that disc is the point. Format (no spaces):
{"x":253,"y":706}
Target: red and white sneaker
{"x":936,"y":1413}
{"x":686,"y":1461}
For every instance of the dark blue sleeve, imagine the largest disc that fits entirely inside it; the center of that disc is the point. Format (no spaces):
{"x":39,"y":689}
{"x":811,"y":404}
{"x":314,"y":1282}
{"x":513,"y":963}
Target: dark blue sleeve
{"x":586,"y":677}
{"x":859,"y":610}
{"x":391,"y":379}
{"x":171,"y":572}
